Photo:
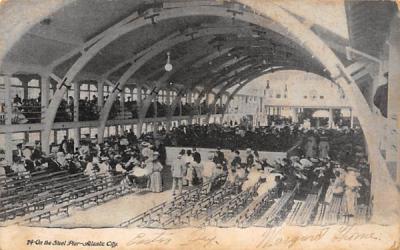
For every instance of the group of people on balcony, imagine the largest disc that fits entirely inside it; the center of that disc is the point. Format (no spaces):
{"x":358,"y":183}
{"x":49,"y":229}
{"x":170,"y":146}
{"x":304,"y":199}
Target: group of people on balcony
{"x":157,"y":109}
{"x":23,"y":110}
{"x":29,"y":110}
{"x":88,"y":110}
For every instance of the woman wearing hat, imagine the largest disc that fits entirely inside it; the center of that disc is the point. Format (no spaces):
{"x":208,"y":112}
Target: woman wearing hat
{"x":155,"y":176}
{"x":351,"y":190}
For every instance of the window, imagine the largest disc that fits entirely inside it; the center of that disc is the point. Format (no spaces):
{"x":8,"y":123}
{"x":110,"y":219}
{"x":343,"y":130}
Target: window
{"x":321,"y":97}
{"x":278,"y":95}
{"x":134,"y":94}
{"x":305,"y":97}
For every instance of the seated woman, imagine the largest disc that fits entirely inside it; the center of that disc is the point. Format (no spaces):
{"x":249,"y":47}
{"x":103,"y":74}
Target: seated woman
{"x":19,"y":168}
{"x":138,"y":176}
{"x":335,"y":189}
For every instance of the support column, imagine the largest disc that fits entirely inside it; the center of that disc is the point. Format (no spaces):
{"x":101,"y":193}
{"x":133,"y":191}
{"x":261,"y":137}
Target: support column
{"x":45,"y":96}
{"x":221,"y":118}
{"x":180,"y":108}
{"x":77,"y":131}
{"x":8,"y":108}
{"x":351,"y":118}
{"x":139,"y":107}
{"x":168,"y":119}
{"x":122,"y":98}
{"x":330,"y":118}
{"x":155,"y":123}
{"x":100,"y":94}
{"x":295,"y":115}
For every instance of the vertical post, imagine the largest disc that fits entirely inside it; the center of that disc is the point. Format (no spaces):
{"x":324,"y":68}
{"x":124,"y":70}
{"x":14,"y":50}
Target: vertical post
{"x":330,"y":118}
{"x":7,"y":99}
{"x":25,"y":80}
{"x":168,"y":118}
{"x":221,"y":101}
{"x":45,"y":96}
{"x":122,"y":101}
{"x":351,"y":118}
{"x":139,"y":106}
{"x":155,"y":123}
{"x":77,"y":131}
{"x":100,"y":94}
{"x":180,"y":107}
{"x":8,"y":106}
{"x":189,"y":101}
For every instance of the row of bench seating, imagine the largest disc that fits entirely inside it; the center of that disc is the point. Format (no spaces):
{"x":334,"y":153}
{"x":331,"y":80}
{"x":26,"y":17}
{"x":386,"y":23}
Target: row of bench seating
{"x":225,"y":214}
{"x":168,"y":213}
{"x":302,"y":212}
{"x":13,"y":185}
{"x":97,"y":192}
{"x":335,"y":213}
{"x":253,"y":212}
{"x":36,"y":199}
{"x":58,"y":192}
{"x":277,"y":212}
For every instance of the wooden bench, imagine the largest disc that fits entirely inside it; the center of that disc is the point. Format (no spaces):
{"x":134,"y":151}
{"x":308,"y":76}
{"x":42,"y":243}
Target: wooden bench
{"x":97,"y":197}
{"x":329,"y":214}
{"x":251,"y":213}
{"x":47,"y":213}
{"x":178,"y":203}
{"x":302,"y":211}
{"x":274,"y":215}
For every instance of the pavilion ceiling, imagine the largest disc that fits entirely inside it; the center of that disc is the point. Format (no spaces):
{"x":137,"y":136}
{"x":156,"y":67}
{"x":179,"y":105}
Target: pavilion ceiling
{"x":233,"y":51}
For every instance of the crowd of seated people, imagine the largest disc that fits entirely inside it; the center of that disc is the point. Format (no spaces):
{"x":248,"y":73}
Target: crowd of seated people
{"x":88,"y":110}
{"x":140,"y":161}
{"x":26,"y":110}
{"x":207,"y":136}
{"x":131,"y":109}
{"x":330,"y":162}
{"x":328,"y":173}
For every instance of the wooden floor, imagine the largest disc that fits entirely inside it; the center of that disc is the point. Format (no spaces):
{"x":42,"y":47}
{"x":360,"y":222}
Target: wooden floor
{"x":110,"y":213}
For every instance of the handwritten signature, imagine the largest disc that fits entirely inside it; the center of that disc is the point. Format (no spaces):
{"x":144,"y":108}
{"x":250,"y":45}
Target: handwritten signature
{"x":271,"y":237}
{"x":165,"y":238}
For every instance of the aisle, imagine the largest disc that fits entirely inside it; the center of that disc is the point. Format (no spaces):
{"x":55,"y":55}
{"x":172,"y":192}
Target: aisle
{"x":110,"y":213}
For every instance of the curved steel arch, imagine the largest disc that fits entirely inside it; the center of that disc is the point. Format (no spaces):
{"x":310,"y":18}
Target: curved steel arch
{"x":128,"y":25}
{"x":382,"y":183}
{"x":155,"y":50}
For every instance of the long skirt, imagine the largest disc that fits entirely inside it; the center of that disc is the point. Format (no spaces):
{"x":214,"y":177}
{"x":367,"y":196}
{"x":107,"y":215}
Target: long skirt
{"x":156,"y":182}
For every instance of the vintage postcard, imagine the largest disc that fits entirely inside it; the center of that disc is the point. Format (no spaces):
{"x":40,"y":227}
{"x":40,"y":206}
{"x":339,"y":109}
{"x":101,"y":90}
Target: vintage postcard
{"x":199,"y":124}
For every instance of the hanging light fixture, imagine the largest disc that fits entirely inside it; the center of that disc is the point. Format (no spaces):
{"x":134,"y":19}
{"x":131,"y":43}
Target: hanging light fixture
{"x":267,"y":84}
{"x":168,"y":65}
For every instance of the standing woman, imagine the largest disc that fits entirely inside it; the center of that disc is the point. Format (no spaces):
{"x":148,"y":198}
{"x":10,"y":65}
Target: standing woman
{"x":155,"y":176}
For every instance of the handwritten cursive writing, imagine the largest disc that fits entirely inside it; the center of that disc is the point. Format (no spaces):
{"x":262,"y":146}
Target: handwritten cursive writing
{"x":143,"y":239}
{"x":349,"y":233}
{"x":202,"y":238}
{"x":266,"y":240}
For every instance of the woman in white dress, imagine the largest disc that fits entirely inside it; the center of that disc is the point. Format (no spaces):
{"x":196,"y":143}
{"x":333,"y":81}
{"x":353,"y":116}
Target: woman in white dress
{"x":155,"y":176}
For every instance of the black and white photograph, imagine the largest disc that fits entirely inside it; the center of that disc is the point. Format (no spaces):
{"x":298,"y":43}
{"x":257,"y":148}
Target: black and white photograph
{"x":187,"y":124}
